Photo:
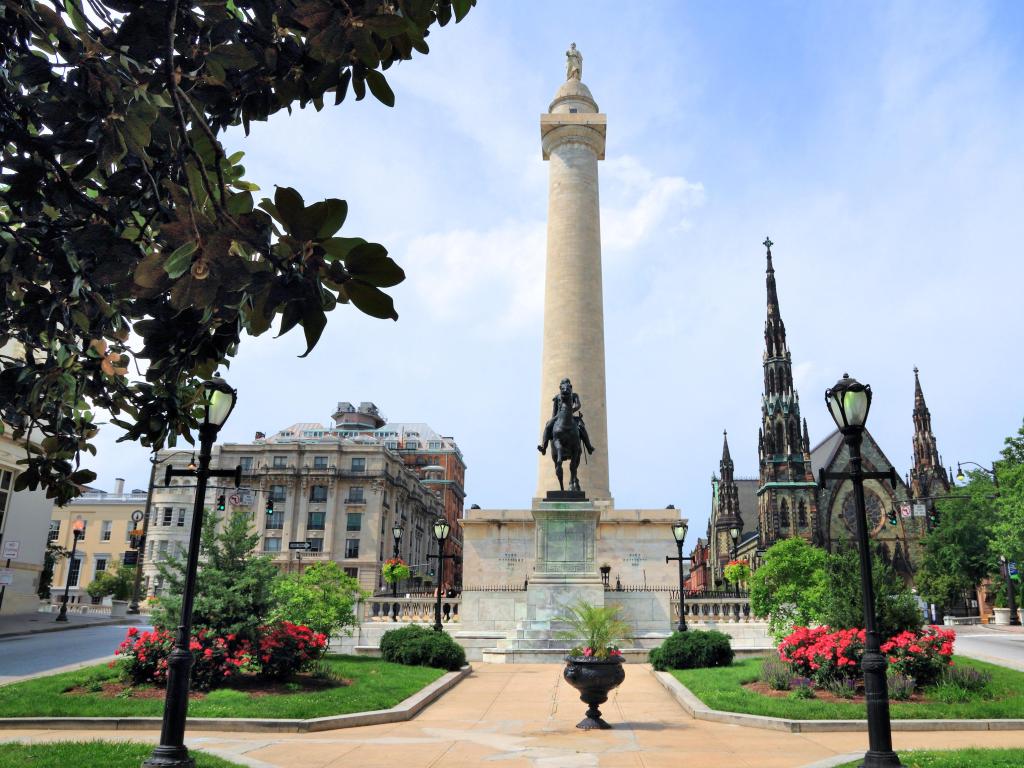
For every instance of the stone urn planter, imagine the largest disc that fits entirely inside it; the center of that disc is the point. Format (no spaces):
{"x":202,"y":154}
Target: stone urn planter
{"x":594,"y":679}
{"x":118,"y":609}
{"x":1002,"y":615}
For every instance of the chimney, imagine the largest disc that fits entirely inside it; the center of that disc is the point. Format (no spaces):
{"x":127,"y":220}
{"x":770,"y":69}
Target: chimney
{"x":118,"y":486}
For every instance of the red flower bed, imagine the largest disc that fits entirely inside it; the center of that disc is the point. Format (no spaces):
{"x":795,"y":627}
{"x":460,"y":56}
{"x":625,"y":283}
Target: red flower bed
{"x":825,"y":655}
{"x":286,"y":648}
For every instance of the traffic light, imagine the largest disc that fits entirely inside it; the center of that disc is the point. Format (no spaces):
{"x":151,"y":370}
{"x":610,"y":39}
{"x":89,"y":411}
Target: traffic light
{"x":891,"y":514}
{"x":270,"y":507}
{"x":933,"y":518}
{"x":221,"y":503}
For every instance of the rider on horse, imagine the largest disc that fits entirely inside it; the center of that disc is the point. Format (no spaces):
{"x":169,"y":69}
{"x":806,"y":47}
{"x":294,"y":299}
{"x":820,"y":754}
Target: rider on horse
{"x":573,"y":401}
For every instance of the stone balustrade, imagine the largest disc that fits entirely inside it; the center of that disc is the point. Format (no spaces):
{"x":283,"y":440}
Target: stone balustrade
{"x":722,"y":609}
{"x":411,"y":610}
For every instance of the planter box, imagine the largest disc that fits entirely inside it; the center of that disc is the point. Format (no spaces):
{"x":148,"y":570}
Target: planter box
{"x":119,"y":609}
{"x":1002,"y":615}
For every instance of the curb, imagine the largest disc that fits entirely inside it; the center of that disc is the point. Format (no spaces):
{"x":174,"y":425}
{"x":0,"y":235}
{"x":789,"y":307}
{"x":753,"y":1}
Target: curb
{"x":404,"y":710}
{"x":698,"y":710}
{"x":128,"y":620}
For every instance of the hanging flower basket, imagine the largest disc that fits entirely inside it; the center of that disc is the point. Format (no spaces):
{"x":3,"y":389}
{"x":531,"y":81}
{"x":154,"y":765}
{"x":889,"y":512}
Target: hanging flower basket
{"x":736,"y":571}
{"x":395,"y":570}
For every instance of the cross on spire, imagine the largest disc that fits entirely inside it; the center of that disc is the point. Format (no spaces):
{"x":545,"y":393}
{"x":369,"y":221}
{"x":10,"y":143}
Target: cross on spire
{"x":768,"y":244}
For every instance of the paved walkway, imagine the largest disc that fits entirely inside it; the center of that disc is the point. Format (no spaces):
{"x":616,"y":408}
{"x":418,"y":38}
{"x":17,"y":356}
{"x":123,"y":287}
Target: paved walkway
{"x":18,"y":624}
{"x":524,"y":716}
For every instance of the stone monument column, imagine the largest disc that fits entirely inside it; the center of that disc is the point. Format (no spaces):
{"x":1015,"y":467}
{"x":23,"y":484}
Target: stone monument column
{"x":573,"y":137}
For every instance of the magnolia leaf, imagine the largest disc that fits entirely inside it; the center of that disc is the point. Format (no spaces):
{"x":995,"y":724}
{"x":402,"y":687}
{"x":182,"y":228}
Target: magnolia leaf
{"x":289,"y":205}
{"x":314,"y":320}
{"x":379,"y":87}
{"x":370,"y":300}
{"x":339,"y":247}
{"x":179,"y":261}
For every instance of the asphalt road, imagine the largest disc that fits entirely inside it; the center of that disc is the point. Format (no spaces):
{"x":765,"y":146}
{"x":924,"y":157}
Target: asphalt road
{"x":52,"y":650}
{"x":992,"y":645}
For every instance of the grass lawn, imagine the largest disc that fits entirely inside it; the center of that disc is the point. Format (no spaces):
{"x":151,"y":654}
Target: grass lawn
{"x":975,"y":758}
{"x":60,"y":754}
{"x":721,"y":688}
{"x":375,"y":684}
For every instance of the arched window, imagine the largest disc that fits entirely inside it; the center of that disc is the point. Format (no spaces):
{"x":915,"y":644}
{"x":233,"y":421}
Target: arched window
{"x":771,"y":382}
{"x":802,"y":515}
{"x":780,"y":438}
{"x":794,"y":437}
{"x":783,"y":514}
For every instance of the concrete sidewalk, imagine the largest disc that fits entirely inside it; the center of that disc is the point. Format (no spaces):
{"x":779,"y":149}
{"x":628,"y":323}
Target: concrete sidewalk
{"x":524,"y":716}
{"x":19,"y":624}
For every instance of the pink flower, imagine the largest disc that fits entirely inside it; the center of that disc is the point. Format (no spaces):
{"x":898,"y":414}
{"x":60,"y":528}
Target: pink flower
{"x":588,"y":652}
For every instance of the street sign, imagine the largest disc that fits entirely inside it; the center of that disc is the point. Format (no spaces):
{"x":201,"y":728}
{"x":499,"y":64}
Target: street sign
{"x":11,"y":549}
{"x":920,"y":510}
{"x":235,"y":499}
{"x":137,"y":516}
{"x":6,"y":577}
{"x":905,"y":510}
{"x":299,"y":545}
{"x":131,"y":557}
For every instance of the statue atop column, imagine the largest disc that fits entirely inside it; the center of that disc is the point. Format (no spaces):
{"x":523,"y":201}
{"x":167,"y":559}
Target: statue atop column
{"x":573,"y":64}
{"x":567,"y":434}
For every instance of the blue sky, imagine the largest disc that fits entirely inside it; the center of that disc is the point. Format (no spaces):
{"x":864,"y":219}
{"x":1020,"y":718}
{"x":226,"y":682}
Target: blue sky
{"x":877,"y":144}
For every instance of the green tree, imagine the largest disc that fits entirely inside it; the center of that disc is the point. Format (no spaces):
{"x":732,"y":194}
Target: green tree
{"x":54,"y":552}
{"x":322,"y":598}
{"x":957,"y":554}
{"x":896,"y":609}
{"x":1008,"y":527}
{"x":116,"y":583}
{"x":234,"y":586}
{"x":128,"y":233}
{"x":790,"y":587}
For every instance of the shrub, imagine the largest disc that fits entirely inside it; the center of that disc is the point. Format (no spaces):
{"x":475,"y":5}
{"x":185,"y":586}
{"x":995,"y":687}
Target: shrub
{"x":116,"y":583}
{"x":843,"y":687}
{"x":803,"y":688}
{"x":900,"y":686}
{"x":218,"y":660}
{"x":597,"y":628}
{"x":968,"y":678}
{"x":144,"y":655}
{"x":288,"y":648}
{"x":823,"y":654}
{"x":922,"y":656}
{"x":951,"y":693}
{"x":689,"y":650}
{"x":418,"y":646}
{"x":322,"y":598}
{"x":775,"y":673}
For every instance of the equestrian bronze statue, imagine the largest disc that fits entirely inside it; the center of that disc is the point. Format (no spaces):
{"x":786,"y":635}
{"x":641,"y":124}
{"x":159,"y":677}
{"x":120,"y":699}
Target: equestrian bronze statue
{"x":567,"y":434}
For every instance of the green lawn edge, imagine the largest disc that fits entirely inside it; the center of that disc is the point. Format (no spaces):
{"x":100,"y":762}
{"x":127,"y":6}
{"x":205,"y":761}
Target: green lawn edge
{"x":376,"y":685}
{"x":958,"y":758}
{"x":721,"y":688}
{"x":109,"y":754}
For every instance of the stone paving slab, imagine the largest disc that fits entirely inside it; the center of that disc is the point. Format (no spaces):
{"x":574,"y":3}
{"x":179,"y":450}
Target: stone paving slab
{"x":525,"y":717}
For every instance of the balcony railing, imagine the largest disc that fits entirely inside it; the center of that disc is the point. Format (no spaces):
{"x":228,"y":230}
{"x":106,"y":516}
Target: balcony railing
{"x":726,"y":609}
{"x":413,"y":610}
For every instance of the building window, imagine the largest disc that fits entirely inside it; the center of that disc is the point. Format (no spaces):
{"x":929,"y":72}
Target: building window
{"x":784,"y":515}
{"x":319,"y":462}
{"x":277,"y":493}
{"x":181,"y":517}
{"x":76,"y":568}
{"x":391,"y":445}
{"x":161,"y":550}
{"x":280,"y":462}
{"x":245,"y":462}
{"x":353,"y":572}
{"x":101,"y":565}
{"x":434,"y":445}
{"x":272,"y":544}
{"x":802,"y":515}
{"x":351,"y":547}
{"x":276,"y":520}
{"x":54,"y":533}
{"x":358,"y":464}
{"x":412,"y":445}
{"x":316,"y":545}
{"x":318,"y":493}
{"x":105,"y":527}
{"x":168,"y":513}
{"x":316,"y":521}
{"x":355,"y":495}
{"x":354,"y":521}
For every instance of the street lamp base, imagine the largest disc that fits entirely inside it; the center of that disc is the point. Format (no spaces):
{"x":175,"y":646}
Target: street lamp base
{"x":881,"y":760}
{"x":170,"y":757}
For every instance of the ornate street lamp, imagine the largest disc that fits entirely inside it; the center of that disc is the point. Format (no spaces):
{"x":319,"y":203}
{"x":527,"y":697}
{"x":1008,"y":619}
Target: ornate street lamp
{"x":679,"y":534}
{"x":77,"y":532}
{"x":849,"y":402}
{"x":734,"y":534}
{"x":218,"y":400}
{"x":441,"y":530}
{"x":396,"y":532}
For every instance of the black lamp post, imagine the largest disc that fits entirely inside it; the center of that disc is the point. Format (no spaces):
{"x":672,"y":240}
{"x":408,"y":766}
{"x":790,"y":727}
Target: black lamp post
{"x":396,"y":531}
{"x":1004,"y":566}
{"x":441,"y":531}
{"x":734,"y":534}
{"x":77,"y":532}
{"x":218,"y":400}
{"x":849,"y":402}
{"x":679,"y":534}
{"x":139,"y":545}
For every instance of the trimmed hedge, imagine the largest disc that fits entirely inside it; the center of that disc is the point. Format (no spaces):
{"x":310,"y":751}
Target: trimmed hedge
{"x":692,"y":649}
{"x":421,"y":647}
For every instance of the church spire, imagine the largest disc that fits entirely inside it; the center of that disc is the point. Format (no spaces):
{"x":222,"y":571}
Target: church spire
{"x":774,"y":329}
{"x":927,"y":477}
{"x":726,"y":464}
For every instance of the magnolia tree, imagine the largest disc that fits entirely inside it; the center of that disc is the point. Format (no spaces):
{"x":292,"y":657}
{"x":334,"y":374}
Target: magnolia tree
{"x":130,"y":240}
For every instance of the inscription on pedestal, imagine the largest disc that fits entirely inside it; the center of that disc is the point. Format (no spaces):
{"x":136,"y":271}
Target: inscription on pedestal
{"x":565,"y":541}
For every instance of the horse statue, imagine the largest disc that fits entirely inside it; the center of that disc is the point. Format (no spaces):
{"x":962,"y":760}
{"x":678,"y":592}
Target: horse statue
{"x":567,"y":434}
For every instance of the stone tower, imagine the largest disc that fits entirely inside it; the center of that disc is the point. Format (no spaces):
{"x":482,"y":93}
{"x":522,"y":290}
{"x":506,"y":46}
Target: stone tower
{"x":786,"y":498}
{"x":728,"y":509}
{"x":572,"y":141}
{"x":927,"y":478}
